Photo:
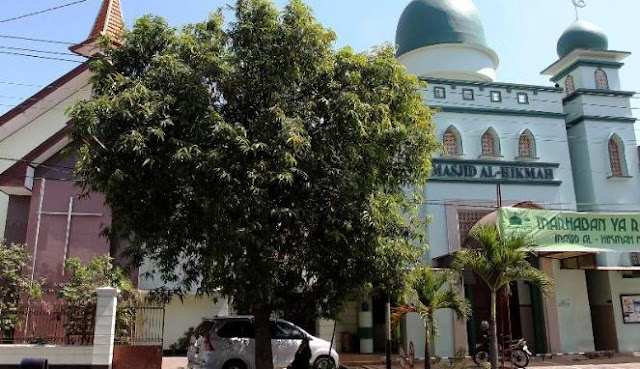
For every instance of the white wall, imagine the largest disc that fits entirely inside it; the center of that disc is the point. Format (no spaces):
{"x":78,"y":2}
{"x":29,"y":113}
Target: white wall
{"x":4,"y":203}
{"x":180,"y":315}
{"x":611,"y":194}
{"x":546,"y":101}
{"x":628,"y":334}
{"x":574,"y":312}
{"x":454,"y":61}
{"x":56,"y":355}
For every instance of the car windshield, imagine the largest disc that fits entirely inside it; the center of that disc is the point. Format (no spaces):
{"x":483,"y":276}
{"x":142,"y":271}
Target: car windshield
{"x":288,"y":331}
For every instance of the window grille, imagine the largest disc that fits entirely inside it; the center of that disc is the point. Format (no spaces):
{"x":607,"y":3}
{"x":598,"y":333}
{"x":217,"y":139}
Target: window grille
{"x":525,"y":146}
{"x":602,"y":81}
{"x":614,"y":158}
{"x":488,"y":144}
{"x":451,"y":144}
{"x":569,"y":85}
{"x":467,"y":219}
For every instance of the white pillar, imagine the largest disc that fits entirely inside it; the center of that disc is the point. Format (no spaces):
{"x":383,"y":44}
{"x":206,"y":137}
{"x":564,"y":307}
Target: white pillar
{"x":365,"y":329}
{"x":104,"y":333}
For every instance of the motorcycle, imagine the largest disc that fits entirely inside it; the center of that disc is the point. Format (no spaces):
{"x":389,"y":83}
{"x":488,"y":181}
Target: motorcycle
{"x":517,"y":351}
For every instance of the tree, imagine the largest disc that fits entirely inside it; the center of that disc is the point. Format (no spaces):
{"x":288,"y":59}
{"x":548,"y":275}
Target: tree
{"x":255,"y":161}
{"x":79,"y":296}
{"x":13,"y":269}
{"x":500,"y":262}
{"x":430,"y":291}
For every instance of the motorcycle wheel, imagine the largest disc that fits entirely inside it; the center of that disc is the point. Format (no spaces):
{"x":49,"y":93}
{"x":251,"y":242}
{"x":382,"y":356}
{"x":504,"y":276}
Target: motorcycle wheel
{"x":519,"y":358}
{"x":481,"y":357}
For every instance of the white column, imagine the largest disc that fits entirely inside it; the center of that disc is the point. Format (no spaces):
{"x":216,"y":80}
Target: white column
{"x":365,"y":329}
{"x":104,"y":333}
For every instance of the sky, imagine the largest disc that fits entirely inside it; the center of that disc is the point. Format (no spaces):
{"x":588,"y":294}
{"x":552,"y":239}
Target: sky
{"x":523,"y":33}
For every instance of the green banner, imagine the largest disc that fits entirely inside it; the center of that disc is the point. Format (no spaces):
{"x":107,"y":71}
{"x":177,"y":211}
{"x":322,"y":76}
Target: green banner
{"x":568,"y":231}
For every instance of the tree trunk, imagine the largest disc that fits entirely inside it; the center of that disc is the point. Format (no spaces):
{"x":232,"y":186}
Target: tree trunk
{"x":263,"y":354}
{"x":493,"y":333}
{"x":427,"y":351}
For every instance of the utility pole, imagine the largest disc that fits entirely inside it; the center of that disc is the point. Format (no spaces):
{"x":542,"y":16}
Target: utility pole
{"x":388,"y":333}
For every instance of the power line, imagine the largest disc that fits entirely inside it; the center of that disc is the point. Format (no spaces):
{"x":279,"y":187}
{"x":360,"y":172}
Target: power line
{"x":37,"y":40}
{"x":39,"y":51}
{"x":41,"y":57}
{"x":42,"y":11}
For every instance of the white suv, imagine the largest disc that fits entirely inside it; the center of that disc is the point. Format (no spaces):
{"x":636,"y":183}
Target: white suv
{"x":228,"y":343}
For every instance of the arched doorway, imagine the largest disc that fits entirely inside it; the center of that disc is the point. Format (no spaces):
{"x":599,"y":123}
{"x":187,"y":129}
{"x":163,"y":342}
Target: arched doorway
{"x":520,"y":314}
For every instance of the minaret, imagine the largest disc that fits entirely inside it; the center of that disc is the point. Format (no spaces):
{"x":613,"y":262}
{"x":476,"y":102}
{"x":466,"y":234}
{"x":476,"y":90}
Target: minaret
{"x":109,"y":22}
{"x":600,"y":122}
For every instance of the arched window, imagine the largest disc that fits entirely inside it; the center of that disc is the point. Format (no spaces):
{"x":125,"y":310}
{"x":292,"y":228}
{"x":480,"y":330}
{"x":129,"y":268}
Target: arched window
{"x":569,"y":85}
{"x":452,"y":142}
{"x":490,"y":143}
{"x":616,"y":156}
{"x":527,"y":145}
{"x":602,"y":81}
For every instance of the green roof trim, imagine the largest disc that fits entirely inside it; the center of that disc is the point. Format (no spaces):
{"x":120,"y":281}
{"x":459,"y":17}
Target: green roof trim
{"x":513,"y":86}
{"x":433,"y":22}
{"x":504,"y":163}
{"x":593,"y":92}
{"x":583,"y":118}
{"x":586,"y":63}
{"x":512,"y":112}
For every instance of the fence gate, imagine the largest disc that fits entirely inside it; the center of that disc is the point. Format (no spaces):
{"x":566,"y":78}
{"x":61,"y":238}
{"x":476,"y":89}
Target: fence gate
{"x":139,"y":337}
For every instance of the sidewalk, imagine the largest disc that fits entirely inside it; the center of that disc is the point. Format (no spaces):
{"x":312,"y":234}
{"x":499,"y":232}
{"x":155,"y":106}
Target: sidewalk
{"x":557,"y":362}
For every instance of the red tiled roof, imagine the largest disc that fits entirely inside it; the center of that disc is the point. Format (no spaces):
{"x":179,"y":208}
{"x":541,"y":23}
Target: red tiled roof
{"x":109,"y":22}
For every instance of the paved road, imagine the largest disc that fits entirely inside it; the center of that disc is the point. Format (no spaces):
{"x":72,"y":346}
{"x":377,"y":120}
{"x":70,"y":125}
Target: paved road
{"x":600,"y":366}
{"x":181,"y":363}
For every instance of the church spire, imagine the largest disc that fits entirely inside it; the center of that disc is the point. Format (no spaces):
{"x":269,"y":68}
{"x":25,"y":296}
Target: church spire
{"x":109,"y":22}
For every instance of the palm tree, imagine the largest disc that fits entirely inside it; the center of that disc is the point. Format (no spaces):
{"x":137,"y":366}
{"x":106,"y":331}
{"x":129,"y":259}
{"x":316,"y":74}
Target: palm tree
{"x":429,"y":290}
{"x":499,"y":262}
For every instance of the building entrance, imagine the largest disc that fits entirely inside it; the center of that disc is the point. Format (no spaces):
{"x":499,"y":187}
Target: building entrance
{"x":519,"y":314}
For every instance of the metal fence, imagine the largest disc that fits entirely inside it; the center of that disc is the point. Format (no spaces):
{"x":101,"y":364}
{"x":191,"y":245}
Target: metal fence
{"x":45,"y":324}
{"x":140,"y":325}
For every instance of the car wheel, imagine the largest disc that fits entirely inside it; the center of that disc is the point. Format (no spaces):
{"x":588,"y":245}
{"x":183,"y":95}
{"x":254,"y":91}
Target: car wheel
{"x":234,"y":364}
{"x":324,"y":362}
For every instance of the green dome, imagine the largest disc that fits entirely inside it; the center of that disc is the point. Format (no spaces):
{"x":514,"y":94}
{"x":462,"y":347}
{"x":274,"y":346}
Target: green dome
{"x":582,"y":35}
{"x":433,"y":22}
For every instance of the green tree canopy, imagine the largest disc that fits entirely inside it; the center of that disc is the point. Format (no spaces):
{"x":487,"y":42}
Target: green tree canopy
{"x":256,"y":161}
{"x":14,"y":285}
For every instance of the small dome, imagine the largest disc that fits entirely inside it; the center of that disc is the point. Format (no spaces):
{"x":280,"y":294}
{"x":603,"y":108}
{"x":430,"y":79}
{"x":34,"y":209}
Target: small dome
{"x":432,"y":22}
{"x":582,"y":35}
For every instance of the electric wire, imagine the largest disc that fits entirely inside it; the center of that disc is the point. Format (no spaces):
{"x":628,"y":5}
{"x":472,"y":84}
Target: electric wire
{"x":42,"y":11}
{"x":37,"y":40}
{"x":41,"y":57}
{"x":41,"y":51}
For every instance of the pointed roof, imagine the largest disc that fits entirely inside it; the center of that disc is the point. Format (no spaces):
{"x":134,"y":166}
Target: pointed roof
{"x":109,"y":22}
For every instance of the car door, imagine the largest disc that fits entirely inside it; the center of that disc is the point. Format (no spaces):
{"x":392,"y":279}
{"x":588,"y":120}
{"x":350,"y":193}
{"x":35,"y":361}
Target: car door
{"x":288,"y":342}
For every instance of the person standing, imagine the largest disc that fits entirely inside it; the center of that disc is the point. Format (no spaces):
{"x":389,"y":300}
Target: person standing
{"x":303,"y":356}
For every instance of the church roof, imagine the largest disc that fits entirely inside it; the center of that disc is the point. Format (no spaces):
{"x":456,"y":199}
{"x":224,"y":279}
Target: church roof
{"x":432,"y":22}
{"x":109,"y":22}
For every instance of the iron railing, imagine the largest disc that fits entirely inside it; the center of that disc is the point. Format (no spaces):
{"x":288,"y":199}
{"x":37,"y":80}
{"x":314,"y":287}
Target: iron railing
{"x":42,"y":324}
{"x":140,"y":325}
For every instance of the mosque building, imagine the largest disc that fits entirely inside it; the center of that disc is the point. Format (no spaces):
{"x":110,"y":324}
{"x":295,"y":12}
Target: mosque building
{"x":569,"y":146}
